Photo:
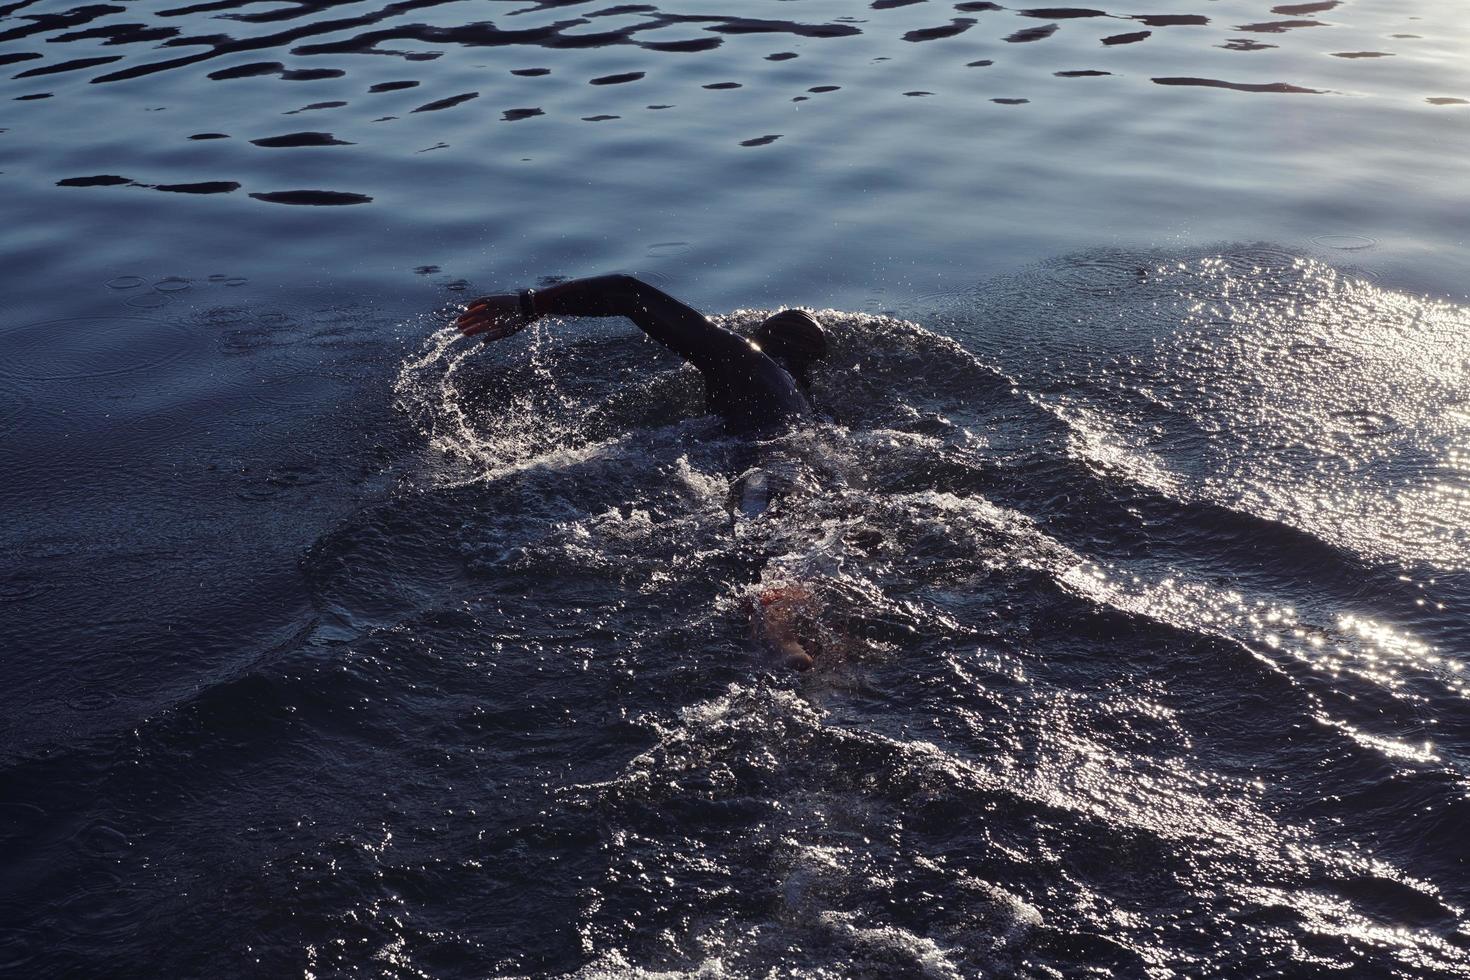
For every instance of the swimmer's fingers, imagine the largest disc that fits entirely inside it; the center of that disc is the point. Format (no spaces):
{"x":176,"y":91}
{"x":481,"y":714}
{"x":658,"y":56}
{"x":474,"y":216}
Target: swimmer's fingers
{"x":488,"y":311}
{"x":492,"y":317}
{"x":491,"y":330}
{"x":503,"y":302}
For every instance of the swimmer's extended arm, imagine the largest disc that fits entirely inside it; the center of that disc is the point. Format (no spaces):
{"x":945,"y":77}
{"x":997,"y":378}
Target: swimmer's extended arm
{"x":680,"y":328}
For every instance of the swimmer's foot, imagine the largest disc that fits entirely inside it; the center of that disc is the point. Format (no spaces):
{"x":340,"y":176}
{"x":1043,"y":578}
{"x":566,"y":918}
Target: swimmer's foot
{"x":776,"y":614}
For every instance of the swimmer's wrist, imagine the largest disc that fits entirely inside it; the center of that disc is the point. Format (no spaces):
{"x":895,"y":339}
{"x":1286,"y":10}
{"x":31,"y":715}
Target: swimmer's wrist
{"x":526,"y":299}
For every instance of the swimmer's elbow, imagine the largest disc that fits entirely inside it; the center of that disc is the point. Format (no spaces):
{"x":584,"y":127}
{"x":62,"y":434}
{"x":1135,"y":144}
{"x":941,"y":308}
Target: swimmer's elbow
{"x":624,"y":286}
{"x":623,"y":295}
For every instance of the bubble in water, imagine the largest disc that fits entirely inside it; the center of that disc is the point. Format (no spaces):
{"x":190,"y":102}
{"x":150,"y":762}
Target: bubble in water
{"x":1349,"y":243}
{"x":1254,"y":259}
{"x":149,"y":301}
{"x":101,"y":839}
{"x":1103,"y":273}
{"x":222,"y":315}
{"x":91,"y":701}
{"x":1364,"y":422}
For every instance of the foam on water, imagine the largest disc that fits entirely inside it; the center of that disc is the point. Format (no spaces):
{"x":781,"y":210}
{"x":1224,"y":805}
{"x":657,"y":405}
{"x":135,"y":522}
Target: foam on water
{"x":902,"y":563}
{"x":1272,"y":385}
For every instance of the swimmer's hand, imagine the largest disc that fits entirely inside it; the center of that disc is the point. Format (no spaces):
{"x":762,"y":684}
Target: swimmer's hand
{"x":493,"y":317}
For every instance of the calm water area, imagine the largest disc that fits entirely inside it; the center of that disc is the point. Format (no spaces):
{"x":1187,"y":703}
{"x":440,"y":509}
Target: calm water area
{"x":1137,"y":516}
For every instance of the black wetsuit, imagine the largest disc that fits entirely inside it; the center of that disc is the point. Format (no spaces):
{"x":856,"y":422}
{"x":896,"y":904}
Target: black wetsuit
{"x":752,"y":392}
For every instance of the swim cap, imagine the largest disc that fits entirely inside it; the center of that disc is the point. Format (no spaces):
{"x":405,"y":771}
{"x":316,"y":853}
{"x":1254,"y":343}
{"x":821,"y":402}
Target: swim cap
{"x":792,"y":334}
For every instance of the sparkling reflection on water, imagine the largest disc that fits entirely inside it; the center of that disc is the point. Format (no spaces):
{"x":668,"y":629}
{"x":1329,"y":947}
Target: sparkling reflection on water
{"x":337,"y":647}
{"x":875,"y":146}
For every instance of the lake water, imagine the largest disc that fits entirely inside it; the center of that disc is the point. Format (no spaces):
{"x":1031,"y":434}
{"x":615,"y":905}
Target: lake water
{"x":1138,"y":518}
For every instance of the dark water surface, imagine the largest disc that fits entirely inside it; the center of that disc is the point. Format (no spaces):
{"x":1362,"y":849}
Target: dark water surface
{"x":334,"y":645}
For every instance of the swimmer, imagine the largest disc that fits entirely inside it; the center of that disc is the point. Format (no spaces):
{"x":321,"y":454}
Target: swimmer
{"x":758,"y":386}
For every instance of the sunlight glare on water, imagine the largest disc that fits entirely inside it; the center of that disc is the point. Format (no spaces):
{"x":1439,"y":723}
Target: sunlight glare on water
{"x":1133,"y":555}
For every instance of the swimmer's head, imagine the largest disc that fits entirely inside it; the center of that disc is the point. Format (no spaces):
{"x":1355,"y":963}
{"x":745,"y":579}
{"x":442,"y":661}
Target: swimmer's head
{"x":792,"y":336}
